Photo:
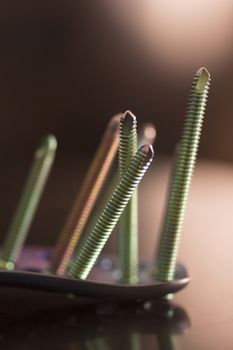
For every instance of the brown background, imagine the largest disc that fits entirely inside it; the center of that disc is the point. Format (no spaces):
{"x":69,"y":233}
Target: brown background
{"x":67,"y":66}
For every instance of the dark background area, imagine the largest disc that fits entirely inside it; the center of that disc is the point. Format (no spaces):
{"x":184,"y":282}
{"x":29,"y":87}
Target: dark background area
{"x":67,"y":66}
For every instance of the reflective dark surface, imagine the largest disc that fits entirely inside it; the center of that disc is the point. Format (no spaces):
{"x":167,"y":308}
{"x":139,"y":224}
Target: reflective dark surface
{"x":33,"y":319}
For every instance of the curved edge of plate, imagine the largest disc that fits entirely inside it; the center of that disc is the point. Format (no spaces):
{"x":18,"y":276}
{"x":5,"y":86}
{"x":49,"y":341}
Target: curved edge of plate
{"x":89,"y":288}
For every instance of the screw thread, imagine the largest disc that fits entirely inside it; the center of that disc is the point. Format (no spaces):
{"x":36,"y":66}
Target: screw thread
{"x":128,"y":224}
{"x":182,"y":175}
{"x":19,"y":228}
{"x":94,"y":244}
{"x":128,"y":141}
{"x":147,"y":135}
{"x":86,"y":198}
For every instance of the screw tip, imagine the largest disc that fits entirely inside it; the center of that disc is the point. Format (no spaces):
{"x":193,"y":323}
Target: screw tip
{"x":127,"y":122}
{"x":51,"y":142}
{"x":148,"y":151}
{"x":203,"y":78}
{"x":47,"y":144}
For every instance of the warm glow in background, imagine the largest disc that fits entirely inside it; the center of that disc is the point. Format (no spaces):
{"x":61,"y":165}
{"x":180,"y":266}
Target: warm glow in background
{"x":175,"y":35}
{"x":67,"y":66}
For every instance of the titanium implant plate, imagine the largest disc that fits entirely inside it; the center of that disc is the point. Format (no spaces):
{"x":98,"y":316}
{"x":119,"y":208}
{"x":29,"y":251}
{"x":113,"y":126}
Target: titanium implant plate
{"x":92,"y":289}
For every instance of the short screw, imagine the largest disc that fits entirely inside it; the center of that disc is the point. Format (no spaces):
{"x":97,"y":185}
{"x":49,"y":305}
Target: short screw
{"x":128,"y":223}
{"x":86,"y":198}
{"x":99,"y":235}
{"x":182,"y":175}
{"x":19,"y":228}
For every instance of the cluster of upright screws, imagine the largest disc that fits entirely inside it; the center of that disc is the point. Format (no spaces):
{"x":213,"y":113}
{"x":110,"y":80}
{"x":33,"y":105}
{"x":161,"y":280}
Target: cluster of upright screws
{"x":80,"y":243}
{"x":95,"y":242}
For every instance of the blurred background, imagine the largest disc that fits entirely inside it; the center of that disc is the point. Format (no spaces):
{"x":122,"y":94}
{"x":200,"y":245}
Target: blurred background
{"x":67,"y":66}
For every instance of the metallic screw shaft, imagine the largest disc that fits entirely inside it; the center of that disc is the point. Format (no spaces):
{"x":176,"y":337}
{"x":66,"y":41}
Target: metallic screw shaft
{"x":16,"y":236}
{"x":146,"y":135}
{"x":94,"y":244}
{"x":180,"y":184}
{"x":128,"y":223}
{"x":87,"y":197}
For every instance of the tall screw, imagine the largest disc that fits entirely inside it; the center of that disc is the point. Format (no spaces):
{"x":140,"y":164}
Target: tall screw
{"x":182,"y":175}
{"x":128,"y":223}
{"x":95,"y":242}
{"x":23,"y":217}
{"x":86,"y":198}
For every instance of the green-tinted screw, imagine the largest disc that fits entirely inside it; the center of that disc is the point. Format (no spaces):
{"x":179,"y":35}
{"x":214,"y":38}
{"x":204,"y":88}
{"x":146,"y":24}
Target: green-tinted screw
{"x":182,"y":175}
{"x":146,"y":135}
{"x":16,"y":236}
{"x":128,"y":223}
{"x":95,"y":242}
